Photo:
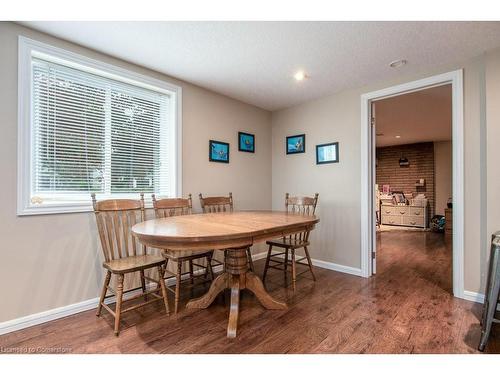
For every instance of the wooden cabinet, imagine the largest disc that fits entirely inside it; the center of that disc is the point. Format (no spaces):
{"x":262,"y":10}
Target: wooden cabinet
{"x":448,"y":217}
{"x":410,"y":216}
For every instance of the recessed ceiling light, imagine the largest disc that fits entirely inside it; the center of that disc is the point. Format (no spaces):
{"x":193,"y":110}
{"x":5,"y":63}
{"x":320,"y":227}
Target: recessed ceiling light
{"x":398,"y":136}
{"x":397,"y":63}
{"x":300,"y":75}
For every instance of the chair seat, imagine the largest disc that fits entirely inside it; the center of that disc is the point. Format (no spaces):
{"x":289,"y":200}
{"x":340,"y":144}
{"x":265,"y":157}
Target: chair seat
{"x":288,"y":243}
{"x":134,"y":263}
{"x":185,"y":254}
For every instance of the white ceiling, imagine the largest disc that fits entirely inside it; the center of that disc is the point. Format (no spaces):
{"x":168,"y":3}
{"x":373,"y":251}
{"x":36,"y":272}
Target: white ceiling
{"x":255,"y":61}
{"x":421,"y":116}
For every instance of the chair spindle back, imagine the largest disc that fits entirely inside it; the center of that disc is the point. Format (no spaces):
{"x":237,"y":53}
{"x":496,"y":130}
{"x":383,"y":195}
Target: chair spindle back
{"x":172,"y":206}
{"x":302,"y":206}
{"x":115,"y":218}
{"x":216,"y":204}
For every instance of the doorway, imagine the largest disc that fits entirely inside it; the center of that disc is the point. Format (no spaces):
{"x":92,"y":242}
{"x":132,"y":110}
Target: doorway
{"x":368,"y":160}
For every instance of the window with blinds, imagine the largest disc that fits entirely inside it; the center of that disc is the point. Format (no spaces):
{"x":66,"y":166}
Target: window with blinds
{"x":92,"y":133}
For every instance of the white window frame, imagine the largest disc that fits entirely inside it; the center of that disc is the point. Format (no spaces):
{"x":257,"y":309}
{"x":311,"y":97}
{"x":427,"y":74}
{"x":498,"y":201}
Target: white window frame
{"x":28,"y":49}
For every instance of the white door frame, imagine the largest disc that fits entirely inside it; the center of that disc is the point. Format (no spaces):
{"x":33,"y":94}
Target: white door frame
{"x":367,"y":144}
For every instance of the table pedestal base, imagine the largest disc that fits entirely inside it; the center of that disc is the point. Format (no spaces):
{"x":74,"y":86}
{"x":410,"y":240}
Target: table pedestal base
{"x":236,"y":277}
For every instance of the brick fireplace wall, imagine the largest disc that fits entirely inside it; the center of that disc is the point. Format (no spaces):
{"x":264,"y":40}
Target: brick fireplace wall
{"x":421,"y":158}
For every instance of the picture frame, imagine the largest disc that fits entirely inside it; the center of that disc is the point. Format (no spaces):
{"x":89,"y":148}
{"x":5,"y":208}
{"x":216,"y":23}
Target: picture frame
{"x":327,"y":153}
{"x":295,"y":144}
{"x":246,"y":142}
{"x":218,"y":151}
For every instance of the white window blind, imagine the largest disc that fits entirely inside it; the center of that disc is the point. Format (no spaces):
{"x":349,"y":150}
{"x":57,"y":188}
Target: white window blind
{"x":93,"y":134}
{"x":89,"y":132}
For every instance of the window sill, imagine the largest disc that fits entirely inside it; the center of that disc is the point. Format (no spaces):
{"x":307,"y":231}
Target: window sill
{"x":48,"y":209}
{"x":65,"y":208}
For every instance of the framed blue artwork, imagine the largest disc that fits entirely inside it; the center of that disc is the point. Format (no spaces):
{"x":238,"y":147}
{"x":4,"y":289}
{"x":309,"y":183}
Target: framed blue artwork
{"x":218,"y":151}
{"x":296,"y":144}
{"x":246,"y":142}
{"x":327,"y":153}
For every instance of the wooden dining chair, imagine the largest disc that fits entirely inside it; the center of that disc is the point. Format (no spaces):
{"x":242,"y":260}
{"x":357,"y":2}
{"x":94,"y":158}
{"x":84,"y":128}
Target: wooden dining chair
{"x":222,"y":204}
{"x":298,"y":205}
{"x":124,"y":255}
{"x":174,"y":207}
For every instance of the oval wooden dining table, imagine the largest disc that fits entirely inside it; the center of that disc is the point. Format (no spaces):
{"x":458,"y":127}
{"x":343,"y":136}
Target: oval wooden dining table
{"x":232,"y":232}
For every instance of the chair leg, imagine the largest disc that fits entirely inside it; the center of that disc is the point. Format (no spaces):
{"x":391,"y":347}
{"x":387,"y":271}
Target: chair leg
{"x":103,"y":292}
{"x":224,"y":263}
{"x":294,"y":270}
{"x":165,"y":268}
{"x":285,"y":265}
{"x":250,"y":261}
{"x":143,"y":285}
{"x":209,"y":266}
{"x":205,"y":274}
{"x":491,"y":298}
{"x":118,"y":308}
{"x":161,"y":281}
{"x":309,"y":262}
{"x":491,"y":307}
{"x":268,"y":257}
{"x":178,"y":286}
{"x":191,"y":278}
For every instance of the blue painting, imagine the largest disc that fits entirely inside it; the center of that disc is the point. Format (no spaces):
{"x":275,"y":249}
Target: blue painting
{"x":327,"y":153}
{"x":246,"y":142}
{"x":218,"y":151}
{"x":296,"y":144}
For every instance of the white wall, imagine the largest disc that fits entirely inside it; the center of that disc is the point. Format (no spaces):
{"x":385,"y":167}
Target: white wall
{"x":54,"y":260}
{"x":333,"y":119}
{"x":492,"y":135}
{"x":442,"y":174}
{"x":337,"y":118}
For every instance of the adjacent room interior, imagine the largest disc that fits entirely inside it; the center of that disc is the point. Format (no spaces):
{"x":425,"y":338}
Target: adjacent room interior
{"x":413,"y":190}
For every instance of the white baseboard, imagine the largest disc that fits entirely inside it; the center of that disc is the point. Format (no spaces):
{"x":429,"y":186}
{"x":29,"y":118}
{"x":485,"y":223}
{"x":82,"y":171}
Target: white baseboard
{"x":337,"y":267}
{"x":259,"y":255}
{"x":473,"y":296}
{"x":61,"y":312}
{"x":476,"y":297}
{"x":57,"y":313}
{"x":46,"y":316}
{"x":322,"y":264}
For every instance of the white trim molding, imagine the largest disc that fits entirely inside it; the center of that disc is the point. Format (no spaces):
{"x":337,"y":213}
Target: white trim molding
{"x":476,"y":297}
{"x":337,"y":267}
{"x":367,"y":176}
{"x":75,"y":308}
{"x":473,"y":296}
{"x":47,"y":316}
{"x":259,"y":255}
{"x":28,"y":49}
{"x":64,"y":311}
{"x":321,"y":264}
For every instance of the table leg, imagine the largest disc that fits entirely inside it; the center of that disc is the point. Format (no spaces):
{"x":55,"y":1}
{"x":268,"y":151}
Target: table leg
{"x":234,"y":309}
{"x":218,"y":285}
{"x":236,"y":277}
{"x":254,"y":284}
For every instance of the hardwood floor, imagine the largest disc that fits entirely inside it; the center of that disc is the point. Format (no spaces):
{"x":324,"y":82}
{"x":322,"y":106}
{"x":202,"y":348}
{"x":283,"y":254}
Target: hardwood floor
{"x":406,"y":308}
